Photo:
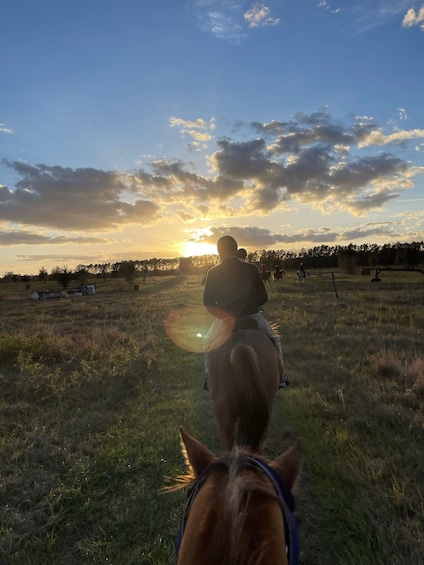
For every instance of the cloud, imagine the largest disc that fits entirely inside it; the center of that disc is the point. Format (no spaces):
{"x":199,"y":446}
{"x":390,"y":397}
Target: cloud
{"x":368,"y":231}
{"x":255,"y":238}
{"x":5,"y":129}
{"x":259,"y":16}
{"x":377,"y":137}
{"x":315,"y":160}
{"x":72,"y":199}
{"x":222,"y":18}
{"x":366,"y":15}
{"x":196,"y":130}
{"x":413,"y":18}
{"x":324,"y":4}
{"x":11,"y":238}
{"x":63,"y":260}
{"x":310,"y":159}
{"x":228,"y":19}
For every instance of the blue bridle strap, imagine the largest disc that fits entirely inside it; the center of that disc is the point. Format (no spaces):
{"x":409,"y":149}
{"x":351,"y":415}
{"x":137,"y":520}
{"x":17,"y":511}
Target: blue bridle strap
{"x":284,"y":495}
{"x":287,"y":501}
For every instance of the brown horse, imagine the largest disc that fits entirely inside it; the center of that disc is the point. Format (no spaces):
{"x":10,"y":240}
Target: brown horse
{"x":244,"y":374}
{"x":239,"y":508}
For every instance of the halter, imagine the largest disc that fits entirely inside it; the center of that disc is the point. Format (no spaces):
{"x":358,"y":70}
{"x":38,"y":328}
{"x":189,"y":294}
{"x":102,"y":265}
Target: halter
{"x":284,"y":495}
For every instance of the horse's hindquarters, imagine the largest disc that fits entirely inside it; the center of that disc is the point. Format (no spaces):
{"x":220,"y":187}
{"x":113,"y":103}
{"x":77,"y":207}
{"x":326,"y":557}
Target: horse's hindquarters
{"x":244,"y":374}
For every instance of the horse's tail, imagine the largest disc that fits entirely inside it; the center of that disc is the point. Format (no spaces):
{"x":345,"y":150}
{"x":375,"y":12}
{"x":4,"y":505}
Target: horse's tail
{"x":250,"y":397}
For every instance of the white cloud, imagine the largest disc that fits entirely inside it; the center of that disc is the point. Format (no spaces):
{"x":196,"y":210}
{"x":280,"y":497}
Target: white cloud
{"x":377,"y":137}
{"x":324,"y":4}
{"x":229,"y":20}
{"x":402,"y":114}
{"x":413,"y":18}
{"x":222,"y":18}
{"x":194,"y":129}
{"x":259,"y":16}
{"x":5,"y":129}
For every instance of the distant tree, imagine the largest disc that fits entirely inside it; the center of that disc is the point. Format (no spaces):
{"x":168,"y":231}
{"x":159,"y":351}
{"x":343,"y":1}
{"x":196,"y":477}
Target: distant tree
{"x":128,"y":271}
{"x":10,"y":277}
{"x":186,"y":265}
{"x":81,"y":273}
{"x":115,"y":269}
{"x":43,"y":275}
{"x":413,"y":254}
{"x":62,"y":275}
{"x":347,"y":259}
{"x":253,"y":257}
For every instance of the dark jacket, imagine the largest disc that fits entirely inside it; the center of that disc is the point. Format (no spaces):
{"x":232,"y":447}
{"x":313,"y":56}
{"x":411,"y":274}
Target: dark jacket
{"x":234,"y":287}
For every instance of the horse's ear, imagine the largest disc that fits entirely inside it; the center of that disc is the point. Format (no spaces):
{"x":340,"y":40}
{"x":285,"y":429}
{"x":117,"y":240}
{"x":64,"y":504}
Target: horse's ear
{"x":197,"y":457}
{"x":289,"y":465}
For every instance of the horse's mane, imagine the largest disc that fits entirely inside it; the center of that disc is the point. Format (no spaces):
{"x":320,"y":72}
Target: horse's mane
{"x":238,"y":496}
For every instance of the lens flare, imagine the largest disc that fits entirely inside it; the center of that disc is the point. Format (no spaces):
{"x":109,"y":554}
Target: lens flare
{"x":186,"y":325}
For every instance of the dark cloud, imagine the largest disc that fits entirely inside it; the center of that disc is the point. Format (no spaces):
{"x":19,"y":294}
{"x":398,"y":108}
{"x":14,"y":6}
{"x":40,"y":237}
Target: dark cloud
{"x":386,"y":230}
{"x":72,"y":199}
{"x":314,"y":159}
{"x":311,"y":159}
{"x":244,"y":160}
{"x":10,"y":238}
{"x":261,"y":238}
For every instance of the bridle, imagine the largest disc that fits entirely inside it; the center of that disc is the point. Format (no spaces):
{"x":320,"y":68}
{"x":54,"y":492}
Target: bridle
{"x":285,"y":498}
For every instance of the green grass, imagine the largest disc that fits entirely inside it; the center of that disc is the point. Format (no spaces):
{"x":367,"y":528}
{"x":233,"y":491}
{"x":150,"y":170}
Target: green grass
{"x":93,"y":389}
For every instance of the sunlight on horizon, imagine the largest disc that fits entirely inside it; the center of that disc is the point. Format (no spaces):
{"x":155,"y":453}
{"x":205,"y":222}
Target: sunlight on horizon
{"x":194,"y":248}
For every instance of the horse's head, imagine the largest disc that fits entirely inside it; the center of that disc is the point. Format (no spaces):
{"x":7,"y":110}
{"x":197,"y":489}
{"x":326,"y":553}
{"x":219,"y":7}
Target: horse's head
{"x":239,"y":507}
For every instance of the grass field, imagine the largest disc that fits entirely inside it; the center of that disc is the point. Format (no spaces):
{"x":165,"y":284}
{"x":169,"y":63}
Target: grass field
{"x":93,"y":389}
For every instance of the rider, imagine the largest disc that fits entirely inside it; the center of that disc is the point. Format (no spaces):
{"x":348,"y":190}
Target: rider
{"x":242,"y":254}
{"x":235,"y":289}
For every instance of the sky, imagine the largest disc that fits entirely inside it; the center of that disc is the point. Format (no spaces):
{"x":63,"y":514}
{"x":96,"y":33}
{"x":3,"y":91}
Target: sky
{"x":138,"y":129}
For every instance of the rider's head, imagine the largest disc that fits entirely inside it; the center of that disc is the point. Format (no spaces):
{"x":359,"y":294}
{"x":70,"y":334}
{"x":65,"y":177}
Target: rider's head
{"x":242,"y":253}
{"x":227,"y":246}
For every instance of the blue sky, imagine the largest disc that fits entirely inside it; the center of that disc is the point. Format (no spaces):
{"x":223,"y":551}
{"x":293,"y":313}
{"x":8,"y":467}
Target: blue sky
{"x":134,"y":129}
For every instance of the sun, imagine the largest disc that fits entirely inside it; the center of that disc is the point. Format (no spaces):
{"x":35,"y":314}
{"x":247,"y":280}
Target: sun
{"x":194,"y":248}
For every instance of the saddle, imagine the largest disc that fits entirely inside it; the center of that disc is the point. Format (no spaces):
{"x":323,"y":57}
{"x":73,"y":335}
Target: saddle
{"x":245,"y":323}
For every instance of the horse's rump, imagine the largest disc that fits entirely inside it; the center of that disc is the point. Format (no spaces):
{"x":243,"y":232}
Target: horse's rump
{"x":250,"y":396}
{"x":244,"y":373}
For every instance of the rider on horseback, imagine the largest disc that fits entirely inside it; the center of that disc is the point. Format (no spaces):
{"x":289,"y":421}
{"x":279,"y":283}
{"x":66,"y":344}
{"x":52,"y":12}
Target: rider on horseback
{"x":234,"y":289}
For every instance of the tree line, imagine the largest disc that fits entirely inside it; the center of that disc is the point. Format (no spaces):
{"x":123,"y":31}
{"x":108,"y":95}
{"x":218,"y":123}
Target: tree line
{"x":348,"y":258}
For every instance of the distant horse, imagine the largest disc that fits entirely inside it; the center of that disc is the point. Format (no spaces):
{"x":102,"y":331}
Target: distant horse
{"x":239,"y":508}
{"x":266,"y":276}
{"x":301,"y":275}
{"x":244,"y":374}
{"x":278,"y":275}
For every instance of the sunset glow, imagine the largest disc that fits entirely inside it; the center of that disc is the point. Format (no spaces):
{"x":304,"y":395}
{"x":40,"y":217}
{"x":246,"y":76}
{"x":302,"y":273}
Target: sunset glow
{"x":193,"y":249}
{"x":200,"y":118}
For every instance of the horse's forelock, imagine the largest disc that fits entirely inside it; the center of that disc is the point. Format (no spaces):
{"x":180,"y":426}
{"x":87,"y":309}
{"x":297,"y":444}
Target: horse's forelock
{"x":241,"y":486}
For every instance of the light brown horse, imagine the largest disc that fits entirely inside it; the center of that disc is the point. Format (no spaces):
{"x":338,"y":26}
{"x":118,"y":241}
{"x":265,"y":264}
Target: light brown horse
{"x":244,"y":374}
{"x":239,"y":508}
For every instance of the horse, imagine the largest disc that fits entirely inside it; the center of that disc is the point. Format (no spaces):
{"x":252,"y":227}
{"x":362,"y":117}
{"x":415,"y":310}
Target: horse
{"x":301,"y":275}
{"x":239,"y":508}
{"x":266,"y":276}
{"x":244,"y":375}
{"x":278,"y":275}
